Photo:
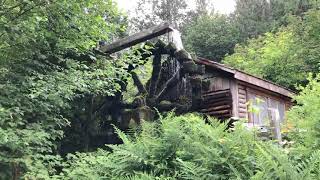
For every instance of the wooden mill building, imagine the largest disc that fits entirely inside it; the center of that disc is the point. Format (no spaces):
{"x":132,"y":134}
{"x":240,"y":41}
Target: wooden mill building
{"x":209,"y":87}
{"x":231,"y":92}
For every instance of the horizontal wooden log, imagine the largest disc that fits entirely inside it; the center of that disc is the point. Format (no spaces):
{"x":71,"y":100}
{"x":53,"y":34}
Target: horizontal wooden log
{"x":242,"y":115}
{"x":242,"y":111}
{"x":136,"y":38}
{"x":241,"y":91}
{"x":242,"y":97}
{"x":225,"y":116}
{"x":219,"y":103}
{"x":222,"y":99}
{"x":223,"y":107}
{"x":215,"y":100}
{"x":242,"y":106}
{"x":242,"y":101}
{"x":217,"y":96}
{"x":223,"y":112}
{"x":242,"y":94}
{"x":216,"y":92}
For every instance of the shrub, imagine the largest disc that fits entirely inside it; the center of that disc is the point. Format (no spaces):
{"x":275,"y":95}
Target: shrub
{"x":186,"y":147}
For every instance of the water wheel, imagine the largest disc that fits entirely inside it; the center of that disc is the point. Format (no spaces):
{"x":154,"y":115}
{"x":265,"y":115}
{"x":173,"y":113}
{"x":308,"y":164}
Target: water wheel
{"x":175,"y":83}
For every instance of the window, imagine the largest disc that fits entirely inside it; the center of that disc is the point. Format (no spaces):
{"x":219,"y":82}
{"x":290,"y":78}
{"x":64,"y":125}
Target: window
{"x":260,"y":105}
{"x":280,"y":106}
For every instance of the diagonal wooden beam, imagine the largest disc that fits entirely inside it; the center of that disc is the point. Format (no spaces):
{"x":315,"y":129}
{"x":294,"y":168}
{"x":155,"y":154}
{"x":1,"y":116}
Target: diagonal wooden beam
{"x":136,"y":38}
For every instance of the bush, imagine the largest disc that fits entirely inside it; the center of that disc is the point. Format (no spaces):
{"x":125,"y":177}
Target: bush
{"x":305,"y":118}
{"x":186,"y":147}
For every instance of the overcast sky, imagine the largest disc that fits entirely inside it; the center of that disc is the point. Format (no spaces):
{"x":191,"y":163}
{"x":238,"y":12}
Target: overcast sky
{"x":221,"y":6}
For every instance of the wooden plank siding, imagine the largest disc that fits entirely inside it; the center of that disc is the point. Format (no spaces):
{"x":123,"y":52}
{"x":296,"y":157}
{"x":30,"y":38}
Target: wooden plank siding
{"x":245,"y":77}
{"x":242,"y":102}
{"x":270,"y":101}
{"x":242,"y":88}
{"x":217,"y":103}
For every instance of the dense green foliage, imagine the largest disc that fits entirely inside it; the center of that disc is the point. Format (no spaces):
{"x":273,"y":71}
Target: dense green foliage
{"x":53,"y":85}
{"x":186,"y":147}
{"x":284,"y":57}
{"x":214,"y":36}
{"x":211,"y":37}
{"x":305,"y":117}
{"x":255,"y":17}
{"x":45,"y":69}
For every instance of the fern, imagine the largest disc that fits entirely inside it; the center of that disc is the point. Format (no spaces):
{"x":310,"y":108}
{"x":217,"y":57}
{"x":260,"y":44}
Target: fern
{"x":310,"y":169}
{"x":188,"y":147}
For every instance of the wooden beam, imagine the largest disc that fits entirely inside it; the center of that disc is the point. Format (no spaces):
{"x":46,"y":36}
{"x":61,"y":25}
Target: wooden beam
{"x":136,"y":38}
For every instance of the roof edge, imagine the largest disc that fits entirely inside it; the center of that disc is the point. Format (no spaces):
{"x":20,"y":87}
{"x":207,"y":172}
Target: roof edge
{"x":248,"y":78}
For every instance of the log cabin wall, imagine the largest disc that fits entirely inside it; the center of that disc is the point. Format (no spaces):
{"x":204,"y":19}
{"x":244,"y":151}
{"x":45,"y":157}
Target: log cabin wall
{"x":218,"y":98}
{"x":247,"y":92}
{"x":227,"y":97}
{"x":242,"y":102}
{"x":242,"y":88}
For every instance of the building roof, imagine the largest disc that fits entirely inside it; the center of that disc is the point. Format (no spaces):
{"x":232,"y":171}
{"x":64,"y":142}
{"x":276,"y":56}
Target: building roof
{"x":248,"y":78}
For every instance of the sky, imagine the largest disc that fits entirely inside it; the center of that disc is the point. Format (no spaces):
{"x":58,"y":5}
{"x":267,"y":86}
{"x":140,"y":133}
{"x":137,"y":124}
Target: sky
{"x":221,"y":6}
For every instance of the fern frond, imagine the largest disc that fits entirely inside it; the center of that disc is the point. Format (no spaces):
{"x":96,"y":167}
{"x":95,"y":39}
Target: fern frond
{"x":311,"y":167}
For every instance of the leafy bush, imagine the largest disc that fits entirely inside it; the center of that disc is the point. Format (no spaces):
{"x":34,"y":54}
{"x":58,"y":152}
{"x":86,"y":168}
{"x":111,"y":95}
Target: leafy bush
{"x":44,"y":67}
{"x":305,"y":118}
{"x":186,"y":147}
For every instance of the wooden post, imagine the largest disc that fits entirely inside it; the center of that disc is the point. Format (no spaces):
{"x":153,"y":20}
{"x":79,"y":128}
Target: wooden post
{"x":275,"y":123}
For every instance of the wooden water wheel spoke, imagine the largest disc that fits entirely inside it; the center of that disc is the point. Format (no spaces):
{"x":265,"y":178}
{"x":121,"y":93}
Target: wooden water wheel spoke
{"x":138,"y":83}
{"x":169,"y":84}
{"x":155,"y":74}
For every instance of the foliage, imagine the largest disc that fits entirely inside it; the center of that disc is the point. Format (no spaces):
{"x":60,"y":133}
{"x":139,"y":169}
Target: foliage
{"x":273,"y":56}
{"x":304,"y":117}
{"x":284,"y":57}
{"x":53,"y":87}
{"x":178,"y":13}
{"x":256,"y":17}
{"x":186,"y":147}
{"x":149,"y":13}
{"x":211,"y":37}
{"x":45,"y":68}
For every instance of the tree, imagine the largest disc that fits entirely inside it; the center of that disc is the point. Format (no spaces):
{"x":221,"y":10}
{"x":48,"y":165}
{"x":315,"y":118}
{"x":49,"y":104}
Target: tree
{"x":284,"y":57}
{"x":255,"y":17}
{"x":46,"y":67}
{"x":252,"y":17}
{"x":149,"y":13}
{"x":211,"y":37}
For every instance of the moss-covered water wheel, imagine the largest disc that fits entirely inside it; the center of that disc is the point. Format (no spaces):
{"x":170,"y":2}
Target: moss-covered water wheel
{"x":175,"y":83}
